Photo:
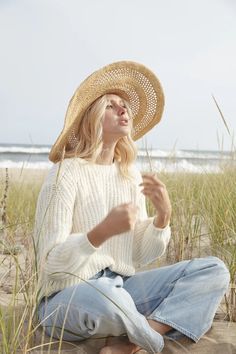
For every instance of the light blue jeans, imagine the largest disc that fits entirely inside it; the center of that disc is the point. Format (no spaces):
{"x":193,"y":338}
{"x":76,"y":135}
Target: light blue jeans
{"x":184,"y":296}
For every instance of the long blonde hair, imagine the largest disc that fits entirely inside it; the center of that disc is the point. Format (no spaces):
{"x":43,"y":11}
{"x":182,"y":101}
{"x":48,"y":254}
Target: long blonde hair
{"x":87,"y":138}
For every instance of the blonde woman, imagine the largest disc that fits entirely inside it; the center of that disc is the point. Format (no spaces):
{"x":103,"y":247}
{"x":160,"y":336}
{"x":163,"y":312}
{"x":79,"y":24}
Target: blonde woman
{"x":92,"y":232}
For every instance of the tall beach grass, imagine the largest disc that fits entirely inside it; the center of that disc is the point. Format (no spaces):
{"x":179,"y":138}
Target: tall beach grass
{"x":203,"y":223}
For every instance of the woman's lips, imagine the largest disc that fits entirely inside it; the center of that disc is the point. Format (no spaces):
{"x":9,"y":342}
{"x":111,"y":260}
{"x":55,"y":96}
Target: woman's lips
{"x":123,"y":122}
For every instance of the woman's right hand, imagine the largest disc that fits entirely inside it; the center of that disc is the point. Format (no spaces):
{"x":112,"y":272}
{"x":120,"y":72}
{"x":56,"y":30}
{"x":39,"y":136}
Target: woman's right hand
{"x":120,"y":219}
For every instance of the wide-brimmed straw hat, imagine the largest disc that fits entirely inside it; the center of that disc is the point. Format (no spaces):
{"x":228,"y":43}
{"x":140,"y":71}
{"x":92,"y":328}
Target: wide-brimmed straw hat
{"x":133,"y":82}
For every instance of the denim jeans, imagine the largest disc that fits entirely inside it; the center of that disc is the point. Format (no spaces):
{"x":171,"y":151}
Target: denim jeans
{"x":184,"y":296}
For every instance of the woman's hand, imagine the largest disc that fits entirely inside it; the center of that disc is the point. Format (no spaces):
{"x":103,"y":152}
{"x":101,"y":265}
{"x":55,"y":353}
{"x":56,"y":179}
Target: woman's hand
{"x":120,"y":219}
{"x":157,"y":192}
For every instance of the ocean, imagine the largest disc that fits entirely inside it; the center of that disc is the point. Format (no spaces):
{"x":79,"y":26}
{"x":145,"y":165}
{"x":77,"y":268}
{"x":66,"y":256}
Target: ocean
{"x":36,"y":157}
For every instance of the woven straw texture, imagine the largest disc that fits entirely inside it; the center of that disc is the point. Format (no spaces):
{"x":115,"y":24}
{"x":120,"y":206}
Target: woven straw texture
{"x":130,"y":80}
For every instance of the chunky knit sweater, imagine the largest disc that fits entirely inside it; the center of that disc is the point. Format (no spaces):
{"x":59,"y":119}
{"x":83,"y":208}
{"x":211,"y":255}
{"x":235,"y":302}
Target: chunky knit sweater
{"x":75,"y":197}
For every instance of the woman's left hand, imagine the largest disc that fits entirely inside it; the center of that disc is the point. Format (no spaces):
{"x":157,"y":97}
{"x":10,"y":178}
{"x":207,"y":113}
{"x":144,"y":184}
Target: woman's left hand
{"x":157,"y":192}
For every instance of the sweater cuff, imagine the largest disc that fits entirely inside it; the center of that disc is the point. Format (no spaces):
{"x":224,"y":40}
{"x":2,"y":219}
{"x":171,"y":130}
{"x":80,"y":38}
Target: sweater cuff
{"x":85,"y":245}
{"x":158,"y":232}
{"x":90,"y":245}
{"x":160,"y":228}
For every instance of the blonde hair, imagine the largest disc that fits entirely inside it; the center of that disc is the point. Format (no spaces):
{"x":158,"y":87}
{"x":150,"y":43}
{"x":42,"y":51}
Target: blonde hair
{"x":87,"y":138}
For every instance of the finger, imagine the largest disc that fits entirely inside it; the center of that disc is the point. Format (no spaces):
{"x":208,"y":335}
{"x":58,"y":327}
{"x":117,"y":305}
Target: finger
{"x":147,"y":194}
{"x":147,"y":184}
{"x":151,"y":187}
{"x":148,"y":190}
{"x":154,"y":191}
{"x":151,"y":178}
{"x":149,"y":174}
{"x":134,"y":207}
{"x":128,"y":204}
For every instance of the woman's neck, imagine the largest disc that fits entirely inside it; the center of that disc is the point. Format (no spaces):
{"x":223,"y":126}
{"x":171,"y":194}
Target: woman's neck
{"x":107,"y":155}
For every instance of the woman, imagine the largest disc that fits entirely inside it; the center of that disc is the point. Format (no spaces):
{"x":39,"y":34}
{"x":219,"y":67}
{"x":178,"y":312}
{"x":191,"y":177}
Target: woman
{"x":92,"y":230}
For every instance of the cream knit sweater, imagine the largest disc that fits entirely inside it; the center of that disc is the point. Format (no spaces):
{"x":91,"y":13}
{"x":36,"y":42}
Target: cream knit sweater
{"x":75,"y":197}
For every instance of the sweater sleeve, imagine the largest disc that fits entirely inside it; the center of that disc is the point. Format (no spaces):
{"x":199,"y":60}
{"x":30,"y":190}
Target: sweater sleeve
{"x":150,"y":242}
{"x":60,"y":253}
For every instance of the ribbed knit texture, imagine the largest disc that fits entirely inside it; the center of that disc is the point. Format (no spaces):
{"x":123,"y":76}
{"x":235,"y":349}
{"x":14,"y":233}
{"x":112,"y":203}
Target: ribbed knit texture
{"x":75,"y":197}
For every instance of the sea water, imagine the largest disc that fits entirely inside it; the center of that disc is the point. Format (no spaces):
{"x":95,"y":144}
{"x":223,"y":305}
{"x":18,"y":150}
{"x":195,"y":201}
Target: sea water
{"x":195,"y":161}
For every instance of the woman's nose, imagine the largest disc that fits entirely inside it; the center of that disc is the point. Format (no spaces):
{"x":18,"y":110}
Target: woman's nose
{"x":121,"y":110}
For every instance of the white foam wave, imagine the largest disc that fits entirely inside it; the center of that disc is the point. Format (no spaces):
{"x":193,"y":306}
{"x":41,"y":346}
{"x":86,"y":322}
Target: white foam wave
{"x":184,"y":154}
{"x":158,"y":166}
{"x":24,"y":150}
{"x":180,"y":166}
{"x":155,"y":153}
{"x":29,"y":165}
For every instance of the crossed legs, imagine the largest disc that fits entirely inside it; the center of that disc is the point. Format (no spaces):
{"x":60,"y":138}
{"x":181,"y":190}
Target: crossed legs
{"x":144,"y":306}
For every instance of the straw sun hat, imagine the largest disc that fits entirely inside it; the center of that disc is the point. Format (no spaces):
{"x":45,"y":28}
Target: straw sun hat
{"x":133,"y":82}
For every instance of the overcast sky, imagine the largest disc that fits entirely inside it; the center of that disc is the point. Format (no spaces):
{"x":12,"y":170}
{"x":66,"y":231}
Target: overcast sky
{"x":49,"y":46}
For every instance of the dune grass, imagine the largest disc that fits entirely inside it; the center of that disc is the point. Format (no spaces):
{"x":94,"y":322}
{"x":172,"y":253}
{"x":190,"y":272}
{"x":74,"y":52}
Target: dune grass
{"x":203,"y":223}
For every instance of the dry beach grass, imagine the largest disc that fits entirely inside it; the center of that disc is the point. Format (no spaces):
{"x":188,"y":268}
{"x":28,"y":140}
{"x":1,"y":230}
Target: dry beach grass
{"x":203,"y":223}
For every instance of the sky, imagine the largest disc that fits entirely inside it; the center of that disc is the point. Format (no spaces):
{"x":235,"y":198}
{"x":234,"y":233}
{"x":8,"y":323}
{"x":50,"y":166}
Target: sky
{"x":48,"y":47}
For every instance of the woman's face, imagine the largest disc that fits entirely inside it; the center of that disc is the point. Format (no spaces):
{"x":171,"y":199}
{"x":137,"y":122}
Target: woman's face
{"x":117,"y":122}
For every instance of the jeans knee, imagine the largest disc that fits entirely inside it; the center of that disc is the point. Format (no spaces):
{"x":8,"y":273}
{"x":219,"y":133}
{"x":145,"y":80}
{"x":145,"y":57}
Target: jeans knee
{"x":220,"y":271}
{"x":106,"y":316}
{"x":110,"y":296}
